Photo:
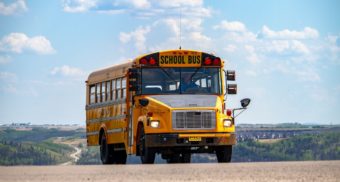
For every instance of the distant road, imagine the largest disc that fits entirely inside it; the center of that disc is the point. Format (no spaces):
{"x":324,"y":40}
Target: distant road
{"x":74,"y":156}
{"x":260,"y":171}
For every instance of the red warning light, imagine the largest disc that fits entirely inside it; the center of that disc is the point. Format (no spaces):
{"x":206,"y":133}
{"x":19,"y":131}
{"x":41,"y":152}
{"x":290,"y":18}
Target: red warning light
{"x":207,"y":61}
{"x":152,"y":61}
{"x":143,"y":61}
{"x":217,"y":61}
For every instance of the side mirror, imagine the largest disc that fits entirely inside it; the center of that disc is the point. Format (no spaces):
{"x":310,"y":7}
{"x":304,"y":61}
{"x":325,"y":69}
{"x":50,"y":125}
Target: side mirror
{"x":143,"y":102}
{"x":133,"y":79}
{"x":231,"y":75}
{"x":245,"y":102}
{"x":232,"y":89}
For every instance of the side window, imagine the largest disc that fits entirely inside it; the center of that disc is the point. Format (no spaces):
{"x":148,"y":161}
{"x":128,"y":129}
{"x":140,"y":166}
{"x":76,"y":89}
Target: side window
{"x":113,"y":90}
{"x":108,"y":90}
{"x":98,"y":93}
{"x":119,"y":86}
{"x":92,"y":94}
{"x":124,"y":87}
{"x":103,"y":92}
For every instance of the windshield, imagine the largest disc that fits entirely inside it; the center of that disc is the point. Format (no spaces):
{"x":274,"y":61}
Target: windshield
{"x":180,"y":81}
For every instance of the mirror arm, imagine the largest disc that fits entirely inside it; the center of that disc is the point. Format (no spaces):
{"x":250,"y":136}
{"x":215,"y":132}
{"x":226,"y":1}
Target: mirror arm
{"x":225,"y":82}
{"x":242,"y":109}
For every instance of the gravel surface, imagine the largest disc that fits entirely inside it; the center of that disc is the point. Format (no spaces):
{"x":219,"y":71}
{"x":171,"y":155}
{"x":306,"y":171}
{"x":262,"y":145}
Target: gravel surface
{"x":257,"y":171}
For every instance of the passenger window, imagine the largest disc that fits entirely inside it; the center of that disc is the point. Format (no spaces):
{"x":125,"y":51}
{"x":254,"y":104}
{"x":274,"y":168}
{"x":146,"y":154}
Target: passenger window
{"x":119,"y":86}
{"x":92,"y":94}
{"x":124,"y":87}
{"x":113,"y":90}
{"x":103,"y":92}
{"x":108,"y":90}
{"x":98,"y":93}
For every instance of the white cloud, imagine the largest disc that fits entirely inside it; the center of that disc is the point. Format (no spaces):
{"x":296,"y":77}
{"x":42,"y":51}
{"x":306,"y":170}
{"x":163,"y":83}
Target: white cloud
{"x":18,"y":42}
{"x":199,"y":37}
{"x":233,"y":26}
{"x":307,"y":33}
{"x":230,"y":48}
{"x":77,"y":6}
{"x":179,"y":3}
{"x":283,"y":47}
{"x":8,"y":77}
{"x":9,"y":88}
{"x":240,"y":37}
{"x":13,"y":8}
{"x":67,"y":71}
{"x":139,"y":8}
{"x":5,"y":59}
{"x":141,"y":4}
{"x":138,"y":36}
{"x":308,"y":75}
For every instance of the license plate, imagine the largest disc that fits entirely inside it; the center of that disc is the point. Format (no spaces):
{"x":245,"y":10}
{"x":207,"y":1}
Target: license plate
{"x":195,"y":139}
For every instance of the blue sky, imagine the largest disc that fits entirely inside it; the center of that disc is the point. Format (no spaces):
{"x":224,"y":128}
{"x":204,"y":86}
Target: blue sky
{"x":286,"y":53}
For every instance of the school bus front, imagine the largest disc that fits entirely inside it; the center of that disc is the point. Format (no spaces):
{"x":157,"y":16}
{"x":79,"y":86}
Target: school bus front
{"x":178,"y":106}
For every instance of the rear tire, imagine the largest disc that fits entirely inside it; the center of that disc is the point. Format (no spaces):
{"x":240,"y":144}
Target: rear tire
{"x":223,"y":153}
{"x":106,"y":151}
{"x":147,"y":155}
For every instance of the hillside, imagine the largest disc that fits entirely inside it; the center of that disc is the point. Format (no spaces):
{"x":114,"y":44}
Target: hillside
{"x":34,"y":147}
{"x":324,"y":146}
{"x":43,"y":146}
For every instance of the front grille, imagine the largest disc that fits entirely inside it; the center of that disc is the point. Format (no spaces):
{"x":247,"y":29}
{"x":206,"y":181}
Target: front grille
{"x":189,"y":119}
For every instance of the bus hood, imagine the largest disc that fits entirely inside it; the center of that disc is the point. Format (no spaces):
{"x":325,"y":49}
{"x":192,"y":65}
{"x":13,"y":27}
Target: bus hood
{"x":176,"y":101}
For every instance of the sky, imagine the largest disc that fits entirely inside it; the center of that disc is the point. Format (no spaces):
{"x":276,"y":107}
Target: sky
{"x":286,"y":53}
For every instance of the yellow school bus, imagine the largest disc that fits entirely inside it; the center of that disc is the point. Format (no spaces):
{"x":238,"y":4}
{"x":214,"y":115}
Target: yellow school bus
{"x":171,"y":103}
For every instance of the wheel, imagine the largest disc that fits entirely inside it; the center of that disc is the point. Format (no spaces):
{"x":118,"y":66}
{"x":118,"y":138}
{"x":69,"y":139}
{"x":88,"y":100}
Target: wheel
{"x":147,"y":155}
{"x":106,"y":151}
{"x":224,"y":153}
{"x":121,"y":157}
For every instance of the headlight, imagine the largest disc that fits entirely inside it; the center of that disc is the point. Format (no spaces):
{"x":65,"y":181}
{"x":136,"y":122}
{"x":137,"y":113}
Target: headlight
{"x":154,"y":124}
{"x":227,"y":122}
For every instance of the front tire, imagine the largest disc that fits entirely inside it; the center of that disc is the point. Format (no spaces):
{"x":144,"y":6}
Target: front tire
{"x":147,"y":155}
{"x":106,"y":151}
{"x":223,"y":153}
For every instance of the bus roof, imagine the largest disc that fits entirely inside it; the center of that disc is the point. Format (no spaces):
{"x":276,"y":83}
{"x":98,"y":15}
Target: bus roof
{"x":118,"y":70}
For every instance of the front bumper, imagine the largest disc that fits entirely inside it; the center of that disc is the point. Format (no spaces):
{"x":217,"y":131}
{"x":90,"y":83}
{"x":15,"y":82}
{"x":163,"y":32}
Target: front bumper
{"x":182,"y":139}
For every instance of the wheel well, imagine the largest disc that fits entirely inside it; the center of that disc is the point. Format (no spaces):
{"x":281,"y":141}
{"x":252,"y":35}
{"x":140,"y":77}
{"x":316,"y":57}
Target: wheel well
{"x":101,"y":132}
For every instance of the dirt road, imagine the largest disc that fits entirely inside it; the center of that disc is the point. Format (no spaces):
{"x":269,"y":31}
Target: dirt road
{"x":270,"y":171}
{"x":74,"y":156}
